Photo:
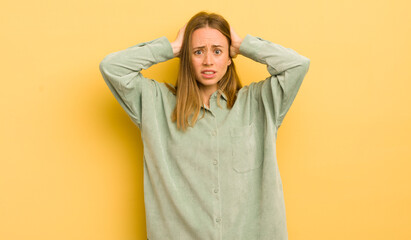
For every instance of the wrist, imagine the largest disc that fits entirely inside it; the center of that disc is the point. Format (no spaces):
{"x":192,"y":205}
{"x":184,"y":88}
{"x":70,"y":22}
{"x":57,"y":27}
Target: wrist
{"x":236,"y":44}
{"x":176,"y":48}
{"x":235,"y":47}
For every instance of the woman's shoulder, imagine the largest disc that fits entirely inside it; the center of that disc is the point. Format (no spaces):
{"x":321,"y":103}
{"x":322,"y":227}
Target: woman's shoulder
{"x":253,"y":90}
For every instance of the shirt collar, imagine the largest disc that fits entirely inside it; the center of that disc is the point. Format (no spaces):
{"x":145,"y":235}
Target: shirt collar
{"x":214,"y":95}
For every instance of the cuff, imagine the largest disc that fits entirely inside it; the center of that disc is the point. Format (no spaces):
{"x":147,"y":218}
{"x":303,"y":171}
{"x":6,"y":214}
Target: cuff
{"x":250,"y":46}
{"x":161,"y":49}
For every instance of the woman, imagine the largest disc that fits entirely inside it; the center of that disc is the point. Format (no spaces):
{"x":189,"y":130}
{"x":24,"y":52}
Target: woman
{"x":213,"y":176}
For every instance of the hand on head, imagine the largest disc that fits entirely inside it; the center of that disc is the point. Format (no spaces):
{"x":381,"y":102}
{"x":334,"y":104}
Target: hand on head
{"x":178,"y":41}
{"x":234,"y":48}
{"x":235,"y":43}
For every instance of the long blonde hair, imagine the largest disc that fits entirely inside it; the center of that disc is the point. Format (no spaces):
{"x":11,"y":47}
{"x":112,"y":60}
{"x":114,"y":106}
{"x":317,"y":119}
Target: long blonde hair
{"x":188,"y":98}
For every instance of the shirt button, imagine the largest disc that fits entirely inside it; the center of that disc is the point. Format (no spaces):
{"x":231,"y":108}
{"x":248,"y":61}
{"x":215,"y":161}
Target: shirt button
{"x":218,"y":220}
{"x":213,"y":133}
{"x":216,"y":190}
{"x":215,"y":162}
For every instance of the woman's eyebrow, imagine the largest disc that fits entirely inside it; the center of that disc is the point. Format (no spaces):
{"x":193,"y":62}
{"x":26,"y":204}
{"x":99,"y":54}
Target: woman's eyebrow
{"x":202,"y":47}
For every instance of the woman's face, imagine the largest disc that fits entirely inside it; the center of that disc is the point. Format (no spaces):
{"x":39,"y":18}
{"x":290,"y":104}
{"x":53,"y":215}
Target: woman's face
{"x":210,"y":56}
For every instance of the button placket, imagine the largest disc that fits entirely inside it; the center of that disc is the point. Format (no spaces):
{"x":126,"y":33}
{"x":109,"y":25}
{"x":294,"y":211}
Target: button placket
{"x":214,"y":133}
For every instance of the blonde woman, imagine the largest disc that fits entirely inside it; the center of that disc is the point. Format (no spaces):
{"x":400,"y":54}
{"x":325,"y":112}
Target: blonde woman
{"x":210,"y":167}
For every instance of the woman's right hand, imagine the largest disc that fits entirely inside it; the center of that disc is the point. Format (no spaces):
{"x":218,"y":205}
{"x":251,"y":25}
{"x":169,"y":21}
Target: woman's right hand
{"x":235,"y":43}
{"x":178,"y":42}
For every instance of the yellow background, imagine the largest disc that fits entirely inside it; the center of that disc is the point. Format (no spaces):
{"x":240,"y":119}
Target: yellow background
{"x":71,"y":159}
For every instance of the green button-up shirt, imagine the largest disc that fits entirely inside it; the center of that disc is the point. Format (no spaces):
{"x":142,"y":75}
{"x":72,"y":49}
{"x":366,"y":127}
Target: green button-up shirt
{"x":219,"y":179}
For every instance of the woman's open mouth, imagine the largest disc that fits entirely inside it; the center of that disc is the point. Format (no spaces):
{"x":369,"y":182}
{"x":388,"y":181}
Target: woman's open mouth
{"x":208,"y":73}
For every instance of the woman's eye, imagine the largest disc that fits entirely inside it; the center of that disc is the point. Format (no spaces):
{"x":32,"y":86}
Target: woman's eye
{"x":217,"y":51}
{"x":197,"y":52}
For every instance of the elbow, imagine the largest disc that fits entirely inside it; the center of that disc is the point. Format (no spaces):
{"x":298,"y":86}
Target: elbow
{"x":107,"y":68}
{"x":301,"y":69}
{"x":105,"y":64}
{"x":305,"y":63}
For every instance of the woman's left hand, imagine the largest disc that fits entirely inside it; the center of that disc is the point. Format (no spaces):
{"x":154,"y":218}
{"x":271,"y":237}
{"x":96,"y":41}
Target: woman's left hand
{"x":235,"y":43}
{"x":176,"y":45}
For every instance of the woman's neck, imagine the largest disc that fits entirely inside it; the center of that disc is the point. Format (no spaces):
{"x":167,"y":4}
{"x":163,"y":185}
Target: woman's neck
{"x":206,"y":94}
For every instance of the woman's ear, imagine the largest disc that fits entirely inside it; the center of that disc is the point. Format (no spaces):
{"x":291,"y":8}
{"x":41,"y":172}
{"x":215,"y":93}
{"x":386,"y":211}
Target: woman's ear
{"x":229,"y":62}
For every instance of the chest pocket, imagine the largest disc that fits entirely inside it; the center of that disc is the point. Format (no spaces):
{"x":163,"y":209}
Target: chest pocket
{"x":244,"y":149}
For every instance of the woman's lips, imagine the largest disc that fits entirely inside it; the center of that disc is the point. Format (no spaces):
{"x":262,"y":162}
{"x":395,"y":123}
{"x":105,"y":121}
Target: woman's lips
{"x":208,"y":73}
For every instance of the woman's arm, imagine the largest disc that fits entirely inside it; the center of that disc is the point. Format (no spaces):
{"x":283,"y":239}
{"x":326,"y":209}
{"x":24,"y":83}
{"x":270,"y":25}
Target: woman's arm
{"x":286,"y":67}
{"x":122,"y":73}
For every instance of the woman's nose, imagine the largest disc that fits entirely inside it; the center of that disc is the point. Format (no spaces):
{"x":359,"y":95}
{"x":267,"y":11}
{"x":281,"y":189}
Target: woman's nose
{"x":207,"y":59}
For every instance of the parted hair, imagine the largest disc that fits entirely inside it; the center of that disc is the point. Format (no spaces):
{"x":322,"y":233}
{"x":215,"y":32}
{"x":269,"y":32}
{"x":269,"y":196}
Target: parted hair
{"x":188,"y":98}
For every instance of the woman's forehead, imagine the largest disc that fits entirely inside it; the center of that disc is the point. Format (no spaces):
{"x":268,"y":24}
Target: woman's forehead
{"x":203,"y":37}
